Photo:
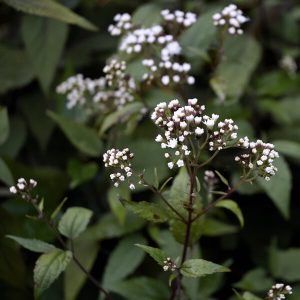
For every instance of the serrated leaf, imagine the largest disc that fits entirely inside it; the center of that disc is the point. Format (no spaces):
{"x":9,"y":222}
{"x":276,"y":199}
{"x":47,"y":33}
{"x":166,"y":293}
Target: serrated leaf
{"x":157,"y":254}
{"x":4,"y":125}
{"x":44,"y":42}
{"x":233,"y":207}
{"x":124,"y":259}
{"x":83,"y":138}
{"x":5,"y":173}
{"x":74,"y":221}
{"x":200,"y":267}
{"x":51,"y":9}
{"x":48,"y":267}
{"x":148,"y":211}
{"x":279,"y":187}
{"x":32,"y":244}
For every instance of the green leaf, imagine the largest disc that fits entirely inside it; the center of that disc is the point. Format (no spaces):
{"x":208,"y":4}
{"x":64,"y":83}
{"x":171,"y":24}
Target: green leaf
{"x":233,"y":207}
{"x":86,"y":249}
{"x":124,"y":259}
{"x":249,"y":296}
{"x":44,"y":42}
{"x":120,"y":115}
{"x":141,"y":288}
{"x":48,"y":267}
{"x":222,"y":178}
{"x":51,"y":9}
{"x":32,"y":244}
{"x":4,"y":125}
{"x":5,"y":173}
{"x":15,"y":69}
{"x":288,"y":148}
{"x":81,"y":172}
{"x":74,"y":221}
{"x":83,"y":138}
{"x":241,"y":56}
{"x":200,"y":267}
{"x":213,"y":227}
{"x":149,"y":211}
{"x":115,"y":195}
{"x":157,"y":254}
{"x":147,"y":15}
{"x":255,"y":280}
{"x":285,"y":264}
{"x":58,"y":208}
{"x":279,"y":187}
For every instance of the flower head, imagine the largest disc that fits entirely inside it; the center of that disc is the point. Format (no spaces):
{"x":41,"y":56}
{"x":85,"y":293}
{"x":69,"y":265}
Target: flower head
{"x":279,"y":291}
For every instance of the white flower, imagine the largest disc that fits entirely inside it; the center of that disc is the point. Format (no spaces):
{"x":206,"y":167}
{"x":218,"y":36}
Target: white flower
{"x":180,"y":163}
{"x":199,"y":131}
{"x":132,"y":186}
{"x":170,"y":165}
{"x":13,"y":190}
{"x":165,"y":80}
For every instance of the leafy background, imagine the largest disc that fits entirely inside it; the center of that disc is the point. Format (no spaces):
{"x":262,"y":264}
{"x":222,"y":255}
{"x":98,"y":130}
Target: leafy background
{"x":41,"y":139}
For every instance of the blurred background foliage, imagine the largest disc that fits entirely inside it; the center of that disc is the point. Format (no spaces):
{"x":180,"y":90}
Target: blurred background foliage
{"x":257,"y":84}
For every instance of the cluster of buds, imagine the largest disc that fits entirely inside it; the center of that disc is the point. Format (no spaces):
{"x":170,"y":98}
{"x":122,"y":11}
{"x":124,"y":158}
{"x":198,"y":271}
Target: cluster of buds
{"x":80,"y":90}
{"x":230,"y":18}
{"x":104,"y":94}
{"x":180,"y":123}
{"x":23,"y":188}
{"x":224,"y":136}
{"x":210,"y":179}
{"x":123,"y":23}
{"x":169,"y":265}
{"x":259,"y":157}
{"x":279,"y":291}
{"x":165,"y":68}
{"x":170,"y":73}
{"x":120,"y":161}
{"x":179,"y":17}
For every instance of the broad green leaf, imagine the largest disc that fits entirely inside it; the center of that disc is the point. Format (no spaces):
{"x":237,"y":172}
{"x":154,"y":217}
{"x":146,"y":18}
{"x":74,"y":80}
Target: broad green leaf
{"x":250,"y":296}
{"x":142,"y":288}
{"x":15,"y":71}
{"x":147,"y":15}
{"x":213,"y":227}
{"x":74,"y":221}
{"x":233,"y":207}
{"x":197,"y":39}
{"x":48,"y":267}
{"x":255,"y":280}
{"x":124,"y":259}
{"x":51,"y":9}
{"x":4,"y":125}
{"x":149,"y":211}
{"x":288,"y":148}
{"x":157,"y":254}
{"x":5,"y":173}
{"x":44,"y":42}
{"x":33,"y":244}
{"x":279,"y":187}
{"x":240,"y":59}
{"x":200,"y":267}
{"x":83,"y":138}
{"x":81,"y":172}
{"x":120,"y":115}
{"x":285,"y":264}
{"x":86,"y":250}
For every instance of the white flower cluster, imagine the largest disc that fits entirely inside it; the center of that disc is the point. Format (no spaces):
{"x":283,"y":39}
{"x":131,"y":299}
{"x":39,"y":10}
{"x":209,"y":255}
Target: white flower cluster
{"x":123,"y":23}
{"x":232,"y":18}
{"x":23,"y":187}
{"x":179,"y":17}
{"x":180,"y":123}
{"x":164,"y":67}
{"x":259,"y":156}
{"x":169,"y":265}
{"x":279,"y":291}
{"x":104,"y":94}
{"x":221,"y":138}
{"x":80,"y":89}
{"x":120,"y":161}
{"x":168,"y":72}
